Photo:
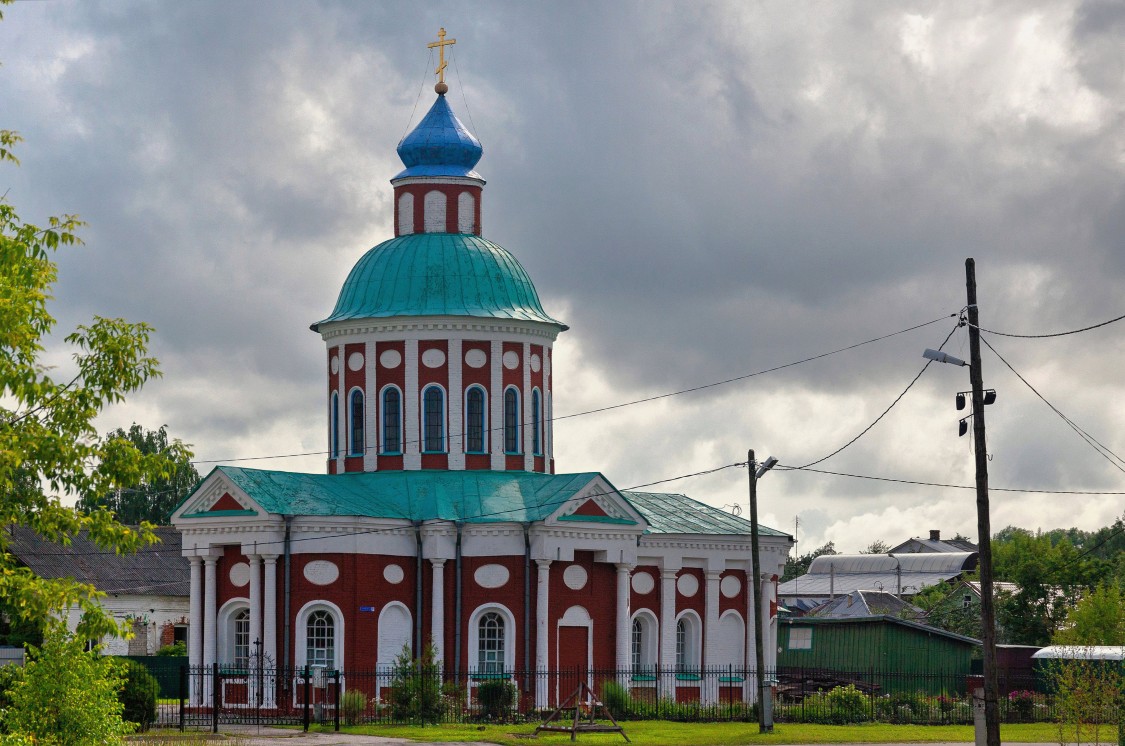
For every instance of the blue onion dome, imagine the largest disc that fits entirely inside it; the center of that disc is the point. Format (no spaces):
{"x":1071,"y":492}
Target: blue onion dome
{"x":439,"y":274}
{"x":440,"y":146}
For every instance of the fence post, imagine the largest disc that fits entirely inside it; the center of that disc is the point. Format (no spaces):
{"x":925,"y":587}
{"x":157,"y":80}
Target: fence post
{"x":336,"y":697}
{"x":216,"y":697}
{"x":183,"y":693}
{"x":306,"y":687}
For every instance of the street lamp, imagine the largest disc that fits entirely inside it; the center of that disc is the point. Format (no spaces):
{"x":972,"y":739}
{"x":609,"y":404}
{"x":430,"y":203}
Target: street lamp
{"x":765,"y":701}
{"x":984,"y":531}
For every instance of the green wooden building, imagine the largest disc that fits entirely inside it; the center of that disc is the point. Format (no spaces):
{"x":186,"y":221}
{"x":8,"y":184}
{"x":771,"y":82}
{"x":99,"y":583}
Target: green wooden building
{"x":891,"y":653}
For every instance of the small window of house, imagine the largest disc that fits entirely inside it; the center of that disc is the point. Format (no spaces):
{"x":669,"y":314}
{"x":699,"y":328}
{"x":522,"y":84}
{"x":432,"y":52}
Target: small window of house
{"x":800,"y":638}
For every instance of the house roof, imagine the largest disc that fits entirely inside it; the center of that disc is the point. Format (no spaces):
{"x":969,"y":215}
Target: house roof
{"x":814,"y":620}
{"x":935,"y":545}
{"x":865,"y":604}
{"x":670,"y":513}
{"x":839,"y":574}
{"x":158,"y":570}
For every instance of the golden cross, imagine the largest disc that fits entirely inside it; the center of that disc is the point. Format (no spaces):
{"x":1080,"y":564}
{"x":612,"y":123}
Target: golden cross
{"x":441,"y":44}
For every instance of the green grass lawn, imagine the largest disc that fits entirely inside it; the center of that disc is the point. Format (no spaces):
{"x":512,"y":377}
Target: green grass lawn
{"x":724,"y":734}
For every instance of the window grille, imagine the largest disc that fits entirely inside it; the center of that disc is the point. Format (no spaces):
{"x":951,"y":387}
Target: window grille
{"x":474,"y":416}
{"x":511,"y":421}
{"x":320,"y":639}
{"x":392,"y":421}
{"x":357,"y":445}
{"x":242,"y":639}
{"x":433,"y":409}
{"x":490,"y":648}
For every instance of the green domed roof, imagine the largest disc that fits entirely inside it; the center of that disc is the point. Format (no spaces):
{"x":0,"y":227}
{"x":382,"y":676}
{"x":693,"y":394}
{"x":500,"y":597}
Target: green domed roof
{"x":439,"y":274}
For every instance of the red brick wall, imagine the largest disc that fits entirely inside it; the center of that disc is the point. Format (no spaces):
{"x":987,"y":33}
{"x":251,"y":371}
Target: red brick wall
{"x":650,"y":600}
{"x":738,"y":603}
{"x":451,"y":192}
{"x":510,"y":595}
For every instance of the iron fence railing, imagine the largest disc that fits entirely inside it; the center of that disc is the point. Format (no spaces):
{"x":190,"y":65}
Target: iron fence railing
{"x":207,"y":697}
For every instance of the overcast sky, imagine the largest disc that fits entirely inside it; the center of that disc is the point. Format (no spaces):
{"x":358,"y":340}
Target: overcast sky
{"x":700,"y":190}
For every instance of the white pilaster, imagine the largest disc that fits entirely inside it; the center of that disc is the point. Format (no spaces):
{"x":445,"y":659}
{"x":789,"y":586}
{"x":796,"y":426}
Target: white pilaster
{"x":437,"y":615}
{"x":528,"y":417}
{"x":195,"y":628}
{"x":750,"y":684}
{"x":542,"y":634}
{"x":412,"y":442}
{"x":370,"y":413}
{"x":769,"y":624}
{"x":342,"y":412}
{"x":269,"y":630}
{"x":709,"y":691}
{"x":454,"y":362}
{"x":624,"y":623}
{"x":668,"y":632}
{"x":496,"y":403}
{"x":255,"y":563}
{"x":210,"y":595}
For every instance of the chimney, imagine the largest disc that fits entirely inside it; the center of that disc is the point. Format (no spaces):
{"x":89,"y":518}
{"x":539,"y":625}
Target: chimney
{"x":935,"y":534}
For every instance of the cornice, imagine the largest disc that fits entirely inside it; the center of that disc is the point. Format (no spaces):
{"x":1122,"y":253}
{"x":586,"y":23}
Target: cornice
{"x":436,"y":326}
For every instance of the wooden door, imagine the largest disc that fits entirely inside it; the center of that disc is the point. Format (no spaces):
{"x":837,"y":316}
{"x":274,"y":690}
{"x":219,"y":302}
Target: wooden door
{"x":574,"y":660}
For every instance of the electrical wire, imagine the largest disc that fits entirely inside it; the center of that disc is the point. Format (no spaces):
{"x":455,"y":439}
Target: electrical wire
{"x":897,"y":399}
{"x":421,"y":87}
{"x":1101,"y":449}
{"x":1046,"y":336}
{"x":621,"y":405}
{"x":919,"y":483}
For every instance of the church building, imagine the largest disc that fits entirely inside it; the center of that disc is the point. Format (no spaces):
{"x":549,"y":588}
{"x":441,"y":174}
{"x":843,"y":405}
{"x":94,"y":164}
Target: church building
{"x":440,"y":516}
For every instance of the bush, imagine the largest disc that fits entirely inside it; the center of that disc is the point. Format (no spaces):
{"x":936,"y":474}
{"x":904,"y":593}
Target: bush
{"x":849,"y":703}
{"x":175,"y":649}
{"x":67,"y":696}
{"x":616,"y":699}
{"x":10,"y":675}
{"x":354,"y":706}
{"x":416,"y":691}
{"x":138,"y":694}
{"x":496,"y":697}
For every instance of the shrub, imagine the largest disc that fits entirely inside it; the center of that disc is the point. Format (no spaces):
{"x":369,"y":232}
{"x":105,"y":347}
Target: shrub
{"x":848,"y":703}
{"x":354,"y":705}
{"x":496,"y":697}
{"x":138,"y":694}
{"x":10,"y":675}
{"x":416,"y":692}
{"x":616,"y":699}
{"x":175,"y":649}
{"x":67,"y":696}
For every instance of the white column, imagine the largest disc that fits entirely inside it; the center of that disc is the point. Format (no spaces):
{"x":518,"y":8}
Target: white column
{"x":342,"y":415}
{"x":210,"y":593}
{"x":437,"y":615}
{"x":624,"y":623}
{"x":255,"y":619}
{"x":269,"y":629}
{"x":496,"y":405}
{"x":750,"y":684}
{"x":371,"y":408}
{"x":668,"y":633}
{"x":542,"y":634}
{"x":769,"y":623}
{"x":195,"y":628}
{"x":412,"y":440}
{"x":709,"y":687}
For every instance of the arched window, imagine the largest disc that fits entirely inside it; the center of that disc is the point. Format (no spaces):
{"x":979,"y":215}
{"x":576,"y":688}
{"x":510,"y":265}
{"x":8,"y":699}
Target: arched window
{"x":355,"y":414}
{"x":392,"y":420}
{"x":466,"y":212}
{"x":637,"y":647}
{"x":334,"y":425}
{"x":687,"y":644}
{"x":536,"y":423}
{"x":242,"y":639}
{"x":406,"y":214}
{"x":320,"y":639}
{"x":433,"y":420}
{"x":490,"y":643}
{"x":511,"y":421}
{"x":434,"y":207}
{"x":474,"y":420}
{"x":643,"y":643}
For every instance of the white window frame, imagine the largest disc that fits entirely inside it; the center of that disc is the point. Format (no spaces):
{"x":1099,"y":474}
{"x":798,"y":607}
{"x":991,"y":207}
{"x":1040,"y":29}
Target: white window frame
{"x":484,"y":419}
{"x":509,"y":636}
{"x":518,"y":421}
{"x":225,"y":630}
{"x":301,"y":638}
{"x":537,"y":448}
{"x":444,"y":418}
{"x":690,"y":662}
{"x":800,"y":638}
{"x":649,"y":644}
{"x":353,"y":450}
{"x":382,"y":420}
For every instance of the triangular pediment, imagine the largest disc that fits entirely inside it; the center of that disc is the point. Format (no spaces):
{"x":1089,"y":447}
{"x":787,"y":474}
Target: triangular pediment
{"x":217,"y":497}
{"x":598,"y":502}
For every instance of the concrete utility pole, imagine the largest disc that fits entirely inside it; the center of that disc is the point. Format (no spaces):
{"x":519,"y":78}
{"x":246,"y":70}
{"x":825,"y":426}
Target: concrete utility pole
{"x":984,"y":531}
{"x":765,"y":709}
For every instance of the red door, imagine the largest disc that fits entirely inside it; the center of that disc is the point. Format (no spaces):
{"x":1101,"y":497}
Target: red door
{"x":574,"y":656}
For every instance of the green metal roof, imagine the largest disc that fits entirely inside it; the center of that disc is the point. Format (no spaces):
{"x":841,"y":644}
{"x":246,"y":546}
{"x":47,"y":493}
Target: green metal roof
{"x":669,"y":513}
{"x":470,"y":496}
{"x":439,"y":274}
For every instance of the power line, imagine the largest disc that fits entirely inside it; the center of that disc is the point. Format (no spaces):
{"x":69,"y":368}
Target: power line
{"x":621,"y":405}
{"x":1046,"y":336}
{"x":783,"y":467}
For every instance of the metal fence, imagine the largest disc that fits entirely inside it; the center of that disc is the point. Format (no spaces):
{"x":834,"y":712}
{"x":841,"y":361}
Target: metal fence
{"x":207,"y":697}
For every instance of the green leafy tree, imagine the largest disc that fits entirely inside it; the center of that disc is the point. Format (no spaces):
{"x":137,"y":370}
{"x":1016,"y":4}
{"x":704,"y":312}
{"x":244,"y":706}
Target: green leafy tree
{"x":1097,"y":619}
{"x":67,"y":696}
{"x":150,"y":501}
{"x":1046,"y":574}
{"x":876,"y":547}
{"x":795,"y":567}
{"x":49,"y":447}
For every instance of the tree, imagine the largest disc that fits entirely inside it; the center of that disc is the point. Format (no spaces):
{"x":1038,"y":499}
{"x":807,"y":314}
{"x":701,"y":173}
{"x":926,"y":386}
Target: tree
{"x":49,"y":447}
{"x":795,"y":567}
{"x":1046,"y":575}
{"x":151,"y":501}
{"x":876,"y":547}
{"x":1097,"y":619}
